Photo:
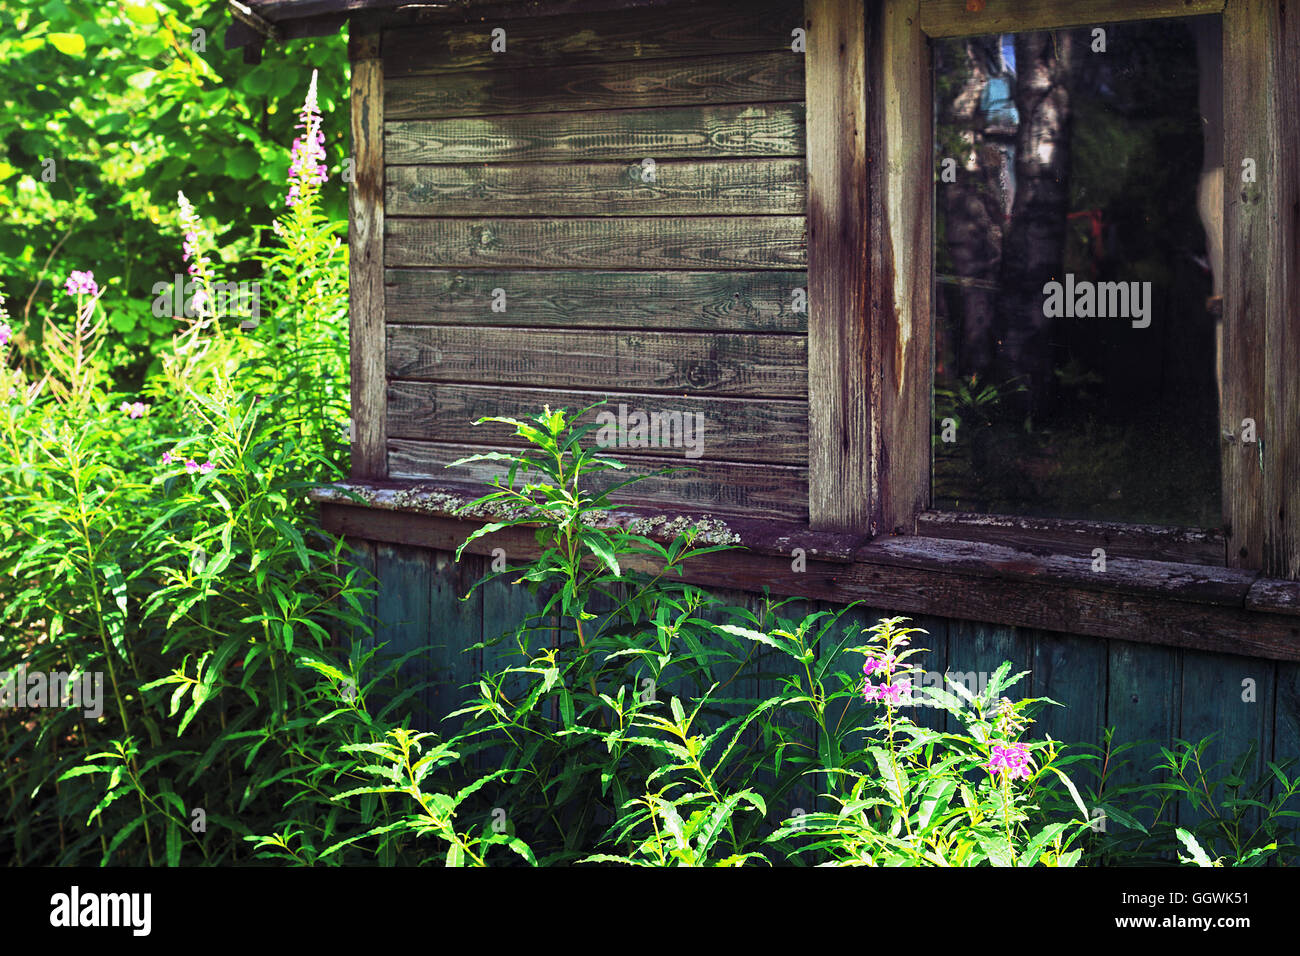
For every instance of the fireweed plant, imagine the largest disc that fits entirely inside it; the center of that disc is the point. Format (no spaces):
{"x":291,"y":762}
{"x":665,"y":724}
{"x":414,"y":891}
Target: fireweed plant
{"x":622,"y":724}
{"x":163,"y":543}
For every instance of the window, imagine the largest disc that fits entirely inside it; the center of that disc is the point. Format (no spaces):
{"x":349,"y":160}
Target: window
{"x":879,"y":308}
{"x":1077,"y":266}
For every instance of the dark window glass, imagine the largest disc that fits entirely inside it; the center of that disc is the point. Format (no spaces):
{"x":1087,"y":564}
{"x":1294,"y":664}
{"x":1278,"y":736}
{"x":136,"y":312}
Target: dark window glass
{"x":1078,"y":272}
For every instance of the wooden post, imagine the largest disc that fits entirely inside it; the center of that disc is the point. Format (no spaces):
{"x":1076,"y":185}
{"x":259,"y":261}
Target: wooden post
{"x":366,"y":251}
{"x":901,"y":247}
{"x":840,"y":445}
{"x":1261,"y":347}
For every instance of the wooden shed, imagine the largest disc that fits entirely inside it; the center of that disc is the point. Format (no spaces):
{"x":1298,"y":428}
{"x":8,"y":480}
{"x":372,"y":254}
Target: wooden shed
{"x":728,"y":209}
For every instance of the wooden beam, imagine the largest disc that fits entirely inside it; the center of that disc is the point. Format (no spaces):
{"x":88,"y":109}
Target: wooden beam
{"x":1171,"y":606}
{"x":842,"y":450}
{"x":1069,"y":536}
{"x":1281,"y":305}
{"x":902,"y":191}
{"x":954,"y":18}
{"x":366,"y":256}
{"x":1261,"y":337}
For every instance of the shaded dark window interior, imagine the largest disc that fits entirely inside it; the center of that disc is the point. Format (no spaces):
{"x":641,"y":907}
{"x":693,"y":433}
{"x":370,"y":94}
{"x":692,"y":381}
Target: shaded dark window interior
{"x":1101,"y":171}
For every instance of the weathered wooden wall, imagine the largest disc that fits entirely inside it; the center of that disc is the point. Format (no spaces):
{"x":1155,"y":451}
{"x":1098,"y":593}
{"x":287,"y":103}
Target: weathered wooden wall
{"x":1144,"y":691}
{"x":522,"y":171}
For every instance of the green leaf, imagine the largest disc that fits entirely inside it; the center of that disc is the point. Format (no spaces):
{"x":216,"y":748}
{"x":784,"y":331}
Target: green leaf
{"x":69,"y":44}
{"x":1198,"y":855}
{"x":996,"y":848}
{"x":174,"y":845}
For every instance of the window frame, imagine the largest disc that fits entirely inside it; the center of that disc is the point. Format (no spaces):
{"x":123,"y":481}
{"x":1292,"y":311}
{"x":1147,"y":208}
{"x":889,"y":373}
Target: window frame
{"x":871,"y":330}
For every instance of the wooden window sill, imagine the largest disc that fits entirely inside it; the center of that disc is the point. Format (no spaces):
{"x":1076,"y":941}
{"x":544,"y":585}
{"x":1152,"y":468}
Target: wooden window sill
{"x":1176,"y":603}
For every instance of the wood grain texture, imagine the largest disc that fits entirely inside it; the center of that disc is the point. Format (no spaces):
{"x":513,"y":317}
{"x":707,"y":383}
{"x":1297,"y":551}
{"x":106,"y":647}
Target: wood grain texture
{"x":1281,"y":358}
{"x":699,"y":242}
{"x":1231,"y":698}
{"x":1070,"y":670}
{"x":743,"y":78}
{"x":951,"y":18}
{"x":762,"y":301}
{"x":841,"y":451}
{"x":1143,"y":700}
{"x":1248,"y":226}
{"x":1100,"y":611}
{"x":607,"y":36}
{"x":733,"y":429}
{"x":1286,"y":725}
{"x":1065,"y":535}
{"x":976,"y":649}
{"x":773,"y":491}
{"x":1277,"y":596}
{"x":405,"y":621}
{"x":902,"y":193}
{"x":1202,"y":584}
{"x":769,"y":366}
{"x":366,"y":267}
{"x":739,"y":187}
{"x":459,"y":628}
{"x":672,"y":133}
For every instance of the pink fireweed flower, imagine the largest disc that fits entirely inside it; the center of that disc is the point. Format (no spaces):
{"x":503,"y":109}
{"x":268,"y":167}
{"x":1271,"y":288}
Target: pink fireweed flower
{"x":191,"y":466}
{"x":6,"y":334}
{"x":870,"y":692}
{"x":196,"y":239}
{"x":1012,"y":761}
{"x":206,"y":467}
{"x":874,"y":664}
{"x":893,"y":694}
{"x":82,"y":283}
{"x":168,"y":458}
{"x":307,"y":168}
{"x":134,"y":409}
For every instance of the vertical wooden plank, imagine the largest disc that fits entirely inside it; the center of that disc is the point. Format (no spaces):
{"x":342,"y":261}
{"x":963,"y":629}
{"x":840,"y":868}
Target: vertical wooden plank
{"x":772,"y":666}
{"x":363,"y":557}
{"x":366,"y":255}
{"x":1286,"y":725}
{"x":841,"y":450}
{"x":1143,"y":700}
{"x":1072,"y":671}
{"x":1231,"y":697}
{"x":459,"y":627}
{"x":1261,"y":339}
{"x":1281,"y":450}
{"x":935,"y":662}
{"x":404,"y":619}
{"x":508,"y":607}
{"x":902,"y":191}
{"x":975,"y":650}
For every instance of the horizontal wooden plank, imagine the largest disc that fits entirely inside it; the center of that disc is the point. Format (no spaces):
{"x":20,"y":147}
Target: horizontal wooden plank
{"x":454,"y":499}
{"x":952,"y":18}
{"x":724,"y":429}
{"x":1277,"y":596}
{"x":685,"y":242}
{"x":775,"y":491}
{"x":671,"y":133}
{"x":672,"y":188}
{"x":1185,"y":582}
{"x":744,"y":78}
{"x":762,"y":366}
{"x":742,"y":301}
{"x":1147,"y":542}
{"x":1141,"y":618}
{"x":607,"y":36}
